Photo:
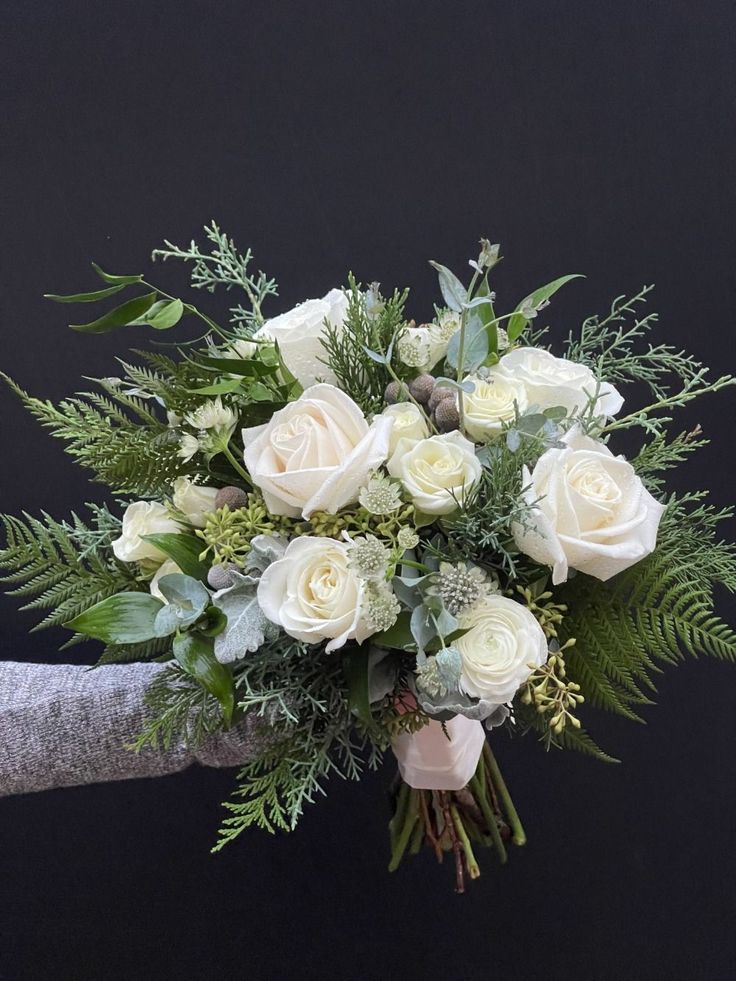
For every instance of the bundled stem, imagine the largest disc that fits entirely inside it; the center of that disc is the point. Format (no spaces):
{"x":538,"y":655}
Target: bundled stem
{"x":482,"y":813}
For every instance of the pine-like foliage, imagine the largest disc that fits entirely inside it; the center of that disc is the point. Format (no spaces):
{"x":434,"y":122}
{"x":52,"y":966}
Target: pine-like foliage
{"x":63,"y":567}
{"x":659,"y":611}
{"x":114,"y":434}
{"x":363,"y":378}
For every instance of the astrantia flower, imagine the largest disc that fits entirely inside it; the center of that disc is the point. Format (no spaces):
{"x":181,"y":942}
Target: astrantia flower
{"x":380,"y":495}
{"x":188,"y":447}
{"x":460,"y":585}
{"x":407,"y":538}
{"x":380,"y":608}
{"x":213,"y":415}
{"x":368,"y":557}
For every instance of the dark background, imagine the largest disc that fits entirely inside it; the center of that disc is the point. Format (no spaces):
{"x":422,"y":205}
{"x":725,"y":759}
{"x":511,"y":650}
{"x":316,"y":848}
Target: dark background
{"x":585,"y":137}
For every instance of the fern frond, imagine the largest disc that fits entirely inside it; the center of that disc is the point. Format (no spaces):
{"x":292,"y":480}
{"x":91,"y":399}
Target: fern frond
{"x":133,"y":457}
{"x":54,"y":565}
{"x":658,"y":612}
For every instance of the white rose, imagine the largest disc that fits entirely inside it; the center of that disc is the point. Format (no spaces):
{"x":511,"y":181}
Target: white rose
{"x":551,"y":381}
{"x":313,"y":594}
{"x":408,"y":422}
{"x":421,"y":347}
{"x":491,"y":404}
{"x":143,"y":518}
{"x":299,"y":333}
{"x":436,"y":472}
{"x":316,"y":453}
{"x":193,"y":501}
{"x":592,"y":512}
{"x":169,"y":568}
{"x":502,"y":645}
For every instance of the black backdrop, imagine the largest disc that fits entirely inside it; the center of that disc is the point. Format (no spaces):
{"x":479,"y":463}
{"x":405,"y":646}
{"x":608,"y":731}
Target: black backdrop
{"x":592,"y":137}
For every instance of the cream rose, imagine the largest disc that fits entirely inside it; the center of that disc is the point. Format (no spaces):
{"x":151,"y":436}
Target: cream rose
{"x":169,"y":568}
{"x":193,"y":500}
{"x":590,"y":511}
{"x":143,"y":518}
{"x":409,"y":422}
{"x":316,"y":453}
{"x":313,"y":594}
{"x":299,"y":334}
{"x":502,"y":645}
{"x":551,"y":381}
{"x":491,"y":404}
{"x":436,"y":472}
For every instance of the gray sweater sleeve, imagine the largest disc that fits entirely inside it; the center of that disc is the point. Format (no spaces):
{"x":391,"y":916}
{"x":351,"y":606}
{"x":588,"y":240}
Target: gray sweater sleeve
{"x":62,"y":725}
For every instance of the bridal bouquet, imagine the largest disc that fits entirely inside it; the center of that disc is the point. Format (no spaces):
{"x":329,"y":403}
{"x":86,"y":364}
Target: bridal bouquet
{"x":369,"y":534}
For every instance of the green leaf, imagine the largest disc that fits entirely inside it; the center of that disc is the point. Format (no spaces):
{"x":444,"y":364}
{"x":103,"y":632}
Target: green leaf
{"x":116,"y":280}
{"x":121,"y":316}
{"x":398,"y":637}
{"x":195,"y":653}
{"x":223,"y":387}
{"x":453,"y":291}
{"x":127,"y":618}
{"x":84,"y":297}
{"x":488,"y":316}
{"x":184,"y":550}
{"x":518,"y":322}
{"x":234,"y":366}
{"x":164,"y":314}
{"x":215,"y":622}
{"x":355,"y":668}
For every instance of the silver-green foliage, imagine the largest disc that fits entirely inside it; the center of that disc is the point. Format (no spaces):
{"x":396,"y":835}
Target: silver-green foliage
{"x":309,"y":734}
{"x":224,"y":266}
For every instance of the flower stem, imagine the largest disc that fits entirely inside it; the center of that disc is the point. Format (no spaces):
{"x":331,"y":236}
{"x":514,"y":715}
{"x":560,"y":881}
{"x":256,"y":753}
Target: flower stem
{"x":470,"y":862}
{"x":477,"y":784}
{"x":402,"y":840}
{"x":236,"y":465}
{"x":518,"y":835}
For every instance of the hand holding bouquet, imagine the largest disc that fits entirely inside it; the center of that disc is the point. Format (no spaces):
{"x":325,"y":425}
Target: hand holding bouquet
{"x":370,"y":534}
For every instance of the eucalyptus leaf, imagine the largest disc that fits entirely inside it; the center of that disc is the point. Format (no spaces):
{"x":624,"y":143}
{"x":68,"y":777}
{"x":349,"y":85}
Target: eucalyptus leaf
{"x":168,"y":621}
{"x":121,"y":316}
{"x":422,"y":626}
{"x":186,"y":593}
{"x":126,"y":618}
{"x":517,"y":322}
{"x":195,"y":654}
{"x":464,"y":386}
{"x":375,"y":356}
{"x":84,"y":297}
{"x":476,"y":346}
{"x":453,"y":291}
